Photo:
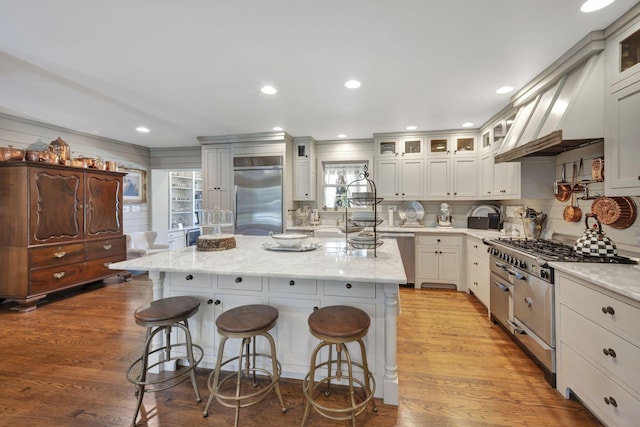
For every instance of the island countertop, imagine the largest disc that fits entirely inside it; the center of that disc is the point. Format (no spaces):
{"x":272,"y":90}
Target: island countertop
{"x":328,"y":262}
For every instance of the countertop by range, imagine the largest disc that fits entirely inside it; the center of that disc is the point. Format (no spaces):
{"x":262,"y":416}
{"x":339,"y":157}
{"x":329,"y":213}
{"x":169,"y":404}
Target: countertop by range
{"x":328,"y":262}
{"x":621,"y":279}
{"x":489,"y":234}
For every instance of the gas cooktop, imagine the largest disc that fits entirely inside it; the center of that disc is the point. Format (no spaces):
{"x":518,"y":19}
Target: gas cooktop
{"x":552,"y":250}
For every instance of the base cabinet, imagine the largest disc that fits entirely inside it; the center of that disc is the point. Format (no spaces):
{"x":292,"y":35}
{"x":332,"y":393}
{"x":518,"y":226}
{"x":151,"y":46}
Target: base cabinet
{"x":60,"y":227}
{"x":598,"y":350}
{"x":477,"y":276}
{"x":438,"y":259}
{"x":295,"y":300}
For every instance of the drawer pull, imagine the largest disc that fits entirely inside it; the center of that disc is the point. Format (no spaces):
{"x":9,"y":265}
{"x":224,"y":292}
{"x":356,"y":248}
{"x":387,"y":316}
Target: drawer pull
{"x":609,"y":352}
{"x":216,"y":302}
{"x":608,"y":309}
{"x":107,"y":264}
{"x":611,"y":401}
{"x":58,"y":275}
{"x":106,"y":247}
{"x":292,"y":282}
{"x":348,"y":285}
{"x":59,"y":254}
{"x":238,"y":279}
{"x":189,"y":277}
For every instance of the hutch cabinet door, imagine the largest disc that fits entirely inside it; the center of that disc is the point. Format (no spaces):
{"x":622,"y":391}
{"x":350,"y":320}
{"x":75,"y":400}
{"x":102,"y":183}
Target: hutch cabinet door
{"x":56,"y":211}
{"x":103,"y":205}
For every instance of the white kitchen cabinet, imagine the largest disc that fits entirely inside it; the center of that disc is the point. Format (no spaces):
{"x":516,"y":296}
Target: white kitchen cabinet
{"x":217,"y":176}
{"x":622,"y":54}
{"x":452,"y":178}
{"x":404,"y":147}
{"x":464,"y":145}
{"x":304,"y":169}
{"x":506,"y":180}
{"x":176,"y":239}
{"x":477,"y":276}
{"x":487,"y":166}
{"x":438,"y":259}
{"x":598,"y":346}
{"x":621,"y":146}
{"x":400,"y":178}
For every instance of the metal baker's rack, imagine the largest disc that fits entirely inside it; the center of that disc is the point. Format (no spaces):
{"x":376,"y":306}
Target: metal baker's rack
{"x":363,"y":199}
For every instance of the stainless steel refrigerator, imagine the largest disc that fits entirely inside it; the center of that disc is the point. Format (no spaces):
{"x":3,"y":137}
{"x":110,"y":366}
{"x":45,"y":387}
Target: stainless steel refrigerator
{"x":258,"y":204}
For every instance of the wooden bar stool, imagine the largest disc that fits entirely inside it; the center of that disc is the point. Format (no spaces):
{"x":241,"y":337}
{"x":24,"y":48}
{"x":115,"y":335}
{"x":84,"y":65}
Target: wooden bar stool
{"x":336,"y":326}
{"x":245,"y":322}
{"x":162,"y":316}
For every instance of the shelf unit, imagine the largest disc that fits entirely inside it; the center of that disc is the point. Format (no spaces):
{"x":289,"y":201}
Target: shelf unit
{"x":185,"y":198}
{"x":369,"y":200}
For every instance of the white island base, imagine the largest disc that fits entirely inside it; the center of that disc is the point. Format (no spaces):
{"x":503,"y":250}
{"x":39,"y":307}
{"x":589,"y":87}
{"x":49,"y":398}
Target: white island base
{"x":294,"y":283}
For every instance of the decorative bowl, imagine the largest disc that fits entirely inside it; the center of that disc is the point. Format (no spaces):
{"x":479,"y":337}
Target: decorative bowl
{"x":289,"y":240}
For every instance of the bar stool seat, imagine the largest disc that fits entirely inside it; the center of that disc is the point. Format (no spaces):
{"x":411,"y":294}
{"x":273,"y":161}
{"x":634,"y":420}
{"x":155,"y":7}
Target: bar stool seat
{"x":245,"y":322}
{"x":158,"y":316}
{"x":336,"y":326}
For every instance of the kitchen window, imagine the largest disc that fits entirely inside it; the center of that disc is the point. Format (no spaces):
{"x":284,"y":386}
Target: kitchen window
{"x":337,"y":176}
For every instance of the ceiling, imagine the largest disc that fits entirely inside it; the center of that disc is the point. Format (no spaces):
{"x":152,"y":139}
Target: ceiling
{"x":195,"y":67}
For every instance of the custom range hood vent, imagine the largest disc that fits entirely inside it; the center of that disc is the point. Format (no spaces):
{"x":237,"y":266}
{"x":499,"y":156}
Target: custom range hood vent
{"x":562,"y":109}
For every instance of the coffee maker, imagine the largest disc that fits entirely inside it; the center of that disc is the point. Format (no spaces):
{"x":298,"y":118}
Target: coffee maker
{"x":444,"y":220}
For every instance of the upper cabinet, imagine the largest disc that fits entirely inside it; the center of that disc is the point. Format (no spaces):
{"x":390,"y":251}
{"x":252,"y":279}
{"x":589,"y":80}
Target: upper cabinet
{"x":399,"y":147}
{"x":185,"y":198}
{"x":304,"y":169}
{"x":622,"y":127}
{"x":399,"y":168}
{"x":217,"y":176}
{"x":447,"y":145}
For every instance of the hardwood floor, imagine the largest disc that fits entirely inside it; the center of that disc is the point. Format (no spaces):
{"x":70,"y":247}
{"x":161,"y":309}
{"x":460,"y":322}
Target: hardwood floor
{"x":64,"y":365}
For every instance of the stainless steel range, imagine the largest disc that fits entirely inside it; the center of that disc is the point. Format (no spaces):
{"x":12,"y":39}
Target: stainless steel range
{"x":522,"y":293}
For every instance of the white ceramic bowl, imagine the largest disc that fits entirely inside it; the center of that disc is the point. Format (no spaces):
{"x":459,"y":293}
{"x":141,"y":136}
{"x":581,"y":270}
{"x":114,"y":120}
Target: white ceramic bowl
{"x":289,"y":240}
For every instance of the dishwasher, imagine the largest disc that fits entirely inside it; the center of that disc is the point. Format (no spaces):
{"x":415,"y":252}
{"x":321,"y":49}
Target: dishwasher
{"x":406,"y":244}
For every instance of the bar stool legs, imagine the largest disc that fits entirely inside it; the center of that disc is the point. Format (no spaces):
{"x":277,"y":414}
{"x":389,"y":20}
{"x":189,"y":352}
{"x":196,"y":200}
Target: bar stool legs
{"x":263,"y":320}
{"x":328,"y":324}
{"x":163,"y":316}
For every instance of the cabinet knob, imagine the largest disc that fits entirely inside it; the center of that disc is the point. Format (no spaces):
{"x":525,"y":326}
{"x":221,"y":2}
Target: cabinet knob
{"x":438,"y":240}
{"x":609,"y":352}
{"x":238,"y":279}
{"x":348,"y":286}
{"x":608,"y":309}
{"x":189,"y":277}
{"x":638,"y":177}
{"x":611,"y":401}
{"x":315,"y":309}
{"x":292,"y":282}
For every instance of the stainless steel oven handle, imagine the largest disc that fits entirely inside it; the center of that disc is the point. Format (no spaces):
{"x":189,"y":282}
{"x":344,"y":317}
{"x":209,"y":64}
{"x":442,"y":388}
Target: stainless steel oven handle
{"x":518,"y":275}
{"x":501,"y":286}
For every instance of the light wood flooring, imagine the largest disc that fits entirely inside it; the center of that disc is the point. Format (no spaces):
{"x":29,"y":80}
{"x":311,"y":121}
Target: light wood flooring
{"x":64,"y":365}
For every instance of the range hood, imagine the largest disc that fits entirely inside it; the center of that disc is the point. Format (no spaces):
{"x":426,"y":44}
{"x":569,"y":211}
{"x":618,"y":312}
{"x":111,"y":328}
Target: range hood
{"x":562,"y":113}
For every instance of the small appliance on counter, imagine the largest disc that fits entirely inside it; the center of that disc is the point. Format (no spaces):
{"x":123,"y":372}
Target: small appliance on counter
{"x":484,"y":217}
{"x":444,"y":220}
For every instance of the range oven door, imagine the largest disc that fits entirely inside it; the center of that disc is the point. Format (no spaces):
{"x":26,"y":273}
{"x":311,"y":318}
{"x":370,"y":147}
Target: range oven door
{"x":533,"y":307}
{"x":501,"y":301}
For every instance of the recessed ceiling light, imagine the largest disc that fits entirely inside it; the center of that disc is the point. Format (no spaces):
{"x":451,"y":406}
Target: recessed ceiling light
{"x":278,"y":128}
{"x":269,"y":90}
{"x":593,"y":5}
{"x":504,"y":89}
{"x":342,"y":135}
{"x":352,"y":84}
{"x":412,"y":127}
{"x":467,"y":124}
{"x":143,"y":129}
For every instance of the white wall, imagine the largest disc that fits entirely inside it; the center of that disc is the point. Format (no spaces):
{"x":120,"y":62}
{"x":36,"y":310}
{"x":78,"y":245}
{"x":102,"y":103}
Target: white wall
{"x":23,"y":133}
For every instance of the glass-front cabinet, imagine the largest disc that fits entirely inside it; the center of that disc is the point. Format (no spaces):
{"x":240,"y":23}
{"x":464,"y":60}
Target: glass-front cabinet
{"x":464,"y":144}
{"x":630,"y":51}
{"x":405,"y":146}
{"x":438,"y":145}
{"x":185,"y":199}
{"x":455,"y":144}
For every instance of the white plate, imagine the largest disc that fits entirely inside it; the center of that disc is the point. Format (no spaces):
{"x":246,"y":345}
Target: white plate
{"x":483,"y":210}
{"x":411,"y":211}
{"x":305,"y":247}
{"x":366,"y":237}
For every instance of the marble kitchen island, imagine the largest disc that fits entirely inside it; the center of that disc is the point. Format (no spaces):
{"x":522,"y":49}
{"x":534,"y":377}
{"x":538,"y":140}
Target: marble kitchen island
{"x":295,"y":283}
